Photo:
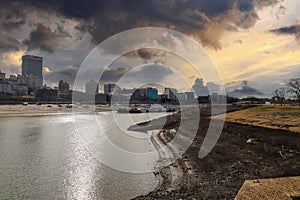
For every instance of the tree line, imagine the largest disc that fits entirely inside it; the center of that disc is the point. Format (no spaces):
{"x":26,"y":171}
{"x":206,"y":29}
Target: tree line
{"x":292,"y":88}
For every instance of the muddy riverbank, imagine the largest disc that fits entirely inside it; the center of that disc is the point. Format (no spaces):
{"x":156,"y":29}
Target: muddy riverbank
{"x":243,"y":152}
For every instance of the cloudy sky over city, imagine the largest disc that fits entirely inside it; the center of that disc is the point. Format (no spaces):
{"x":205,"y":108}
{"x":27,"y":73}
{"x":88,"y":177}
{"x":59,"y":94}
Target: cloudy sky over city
{"x":256,"y":42}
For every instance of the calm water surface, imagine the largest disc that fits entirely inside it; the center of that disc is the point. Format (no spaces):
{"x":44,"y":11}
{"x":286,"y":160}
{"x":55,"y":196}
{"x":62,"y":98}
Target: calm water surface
{"x":42,"y":158}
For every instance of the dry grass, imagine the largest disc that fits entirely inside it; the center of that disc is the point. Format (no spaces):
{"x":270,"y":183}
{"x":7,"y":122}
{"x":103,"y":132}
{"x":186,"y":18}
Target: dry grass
{"x":276,"y":117}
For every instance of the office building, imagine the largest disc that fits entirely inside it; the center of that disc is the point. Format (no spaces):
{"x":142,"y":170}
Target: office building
{"x":63,"y":87}
{"x":109,"y":88}
{"x":152,"y":94}
{"x":2,"y":75}
{"x":171,"y":93}
{"x":5,"y":87}
{"x":46,"y":94}
{"x":162,"y":98}
{"x":91,"y":87}
{"x":190,"y":96}
{"x":14,"y":85}
{"x":32,"y":66}
{"x":181,"y":97}
{"x":148,"y":94}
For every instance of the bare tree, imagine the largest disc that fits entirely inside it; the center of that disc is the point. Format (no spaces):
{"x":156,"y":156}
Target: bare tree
{"x":279,"y":95}
{"x":294,"y":88}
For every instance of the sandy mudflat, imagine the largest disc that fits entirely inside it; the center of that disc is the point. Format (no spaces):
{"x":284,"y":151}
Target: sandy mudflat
{"x":36,"y":110}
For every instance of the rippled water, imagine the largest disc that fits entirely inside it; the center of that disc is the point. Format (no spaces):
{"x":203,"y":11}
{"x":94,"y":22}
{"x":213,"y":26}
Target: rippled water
{"x":42,"y":158}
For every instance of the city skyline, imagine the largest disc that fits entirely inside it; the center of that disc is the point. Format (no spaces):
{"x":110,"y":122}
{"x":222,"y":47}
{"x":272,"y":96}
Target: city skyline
{"x":199,"y":88}
{"x":261,"y":49}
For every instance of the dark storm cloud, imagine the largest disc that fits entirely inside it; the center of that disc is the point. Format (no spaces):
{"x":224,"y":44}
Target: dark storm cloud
{"x":11,"y":18}
{"x":147,"y":54}
{"x":13,"y":23}
{"x":144,"y":54}
{"x":204,"y":19}
{"x":289,"y":30}
{"x":12,"y":15}
{"x":44,"y":38}
{"x":113,"y":75}
{"x":68,"y":74}
{"x":8,"y":43}
{"x":245,"y":91}
{"x":149,"y":73}
{"x":153,"y":73}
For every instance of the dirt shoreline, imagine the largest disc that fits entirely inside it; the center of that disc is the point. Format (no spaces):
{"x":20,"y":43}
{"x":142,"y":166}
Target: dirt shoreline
{"x":43,"y":110}
{"x":243,"y":152}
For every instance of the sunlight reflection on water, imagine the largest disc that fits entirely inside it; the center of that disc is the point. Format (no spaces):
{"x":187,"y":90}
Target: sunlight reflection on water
{"x":41,"y":158}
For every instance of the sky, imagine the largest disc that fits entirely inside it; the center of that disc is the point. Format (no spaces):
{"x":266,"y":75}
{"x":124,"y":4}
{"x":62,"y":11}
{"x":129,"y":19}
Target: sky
{"x":255,"y":44}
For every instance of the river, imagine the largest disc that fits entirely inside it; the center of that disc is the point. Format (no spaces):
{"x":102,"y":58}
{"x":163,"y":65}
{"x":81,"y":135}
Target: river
{"x":42,"y":157}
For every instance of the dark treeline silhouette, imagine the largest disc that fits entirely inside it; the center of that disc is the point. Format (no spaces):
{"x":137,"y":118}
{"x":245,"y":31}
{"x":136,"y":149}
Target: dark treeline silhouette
{"x":292,"y":89}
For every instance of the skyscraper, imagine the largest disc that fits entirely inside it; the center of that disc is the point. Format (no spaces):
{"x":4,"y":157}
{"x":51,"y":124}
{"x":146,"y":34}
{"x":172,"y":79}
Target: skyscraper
{"x":32,"y":67}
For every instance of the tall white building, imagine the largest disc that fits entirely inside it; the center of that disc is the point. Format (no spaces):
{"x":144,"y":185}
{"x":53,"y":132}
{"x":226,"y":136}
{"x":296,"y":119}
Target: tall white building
{"x":91,"y":87}
{"x":32,"y":66}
